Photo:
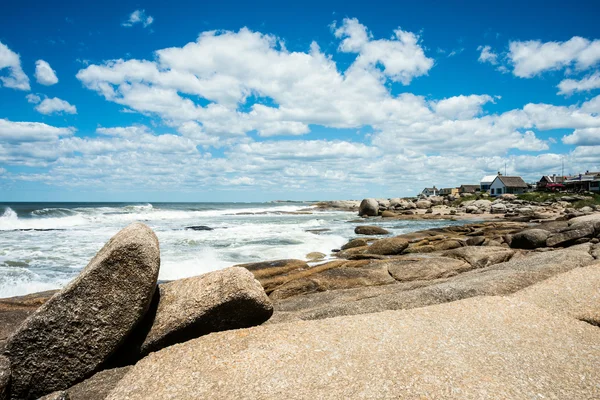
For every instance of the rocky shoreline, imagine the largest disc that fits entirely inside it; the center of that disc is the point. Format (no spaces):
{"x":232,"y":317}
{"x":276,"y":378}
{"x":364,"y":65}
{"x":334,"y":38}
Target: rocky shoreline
{"x":502,"y":308}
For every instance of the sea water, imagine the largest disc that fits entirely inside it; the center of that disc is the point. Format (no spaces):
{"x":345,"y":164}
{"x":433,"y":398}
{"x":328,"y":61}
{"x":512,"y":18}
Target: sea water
{"x":45,"y":245}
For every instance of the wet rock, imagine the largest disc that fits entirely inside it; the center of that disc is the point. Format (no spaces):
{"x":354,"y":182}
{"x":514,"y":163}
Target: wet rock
{"x":188,"y":308}
{"x":402,"y":354}
{"x":369,"y":207}
{"x":529,"y":239}
{"x":199,"y":228}
{"x":370,"y":230}
{"x":388,"y":246}
{"x":77,"y":330}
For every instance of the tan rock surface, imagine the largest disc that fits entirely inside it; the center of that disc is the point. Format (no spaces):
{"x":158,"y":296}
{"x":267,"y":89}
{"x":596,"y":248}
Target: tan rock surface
{"x":575,"y":293}
{"x":481,"y":348}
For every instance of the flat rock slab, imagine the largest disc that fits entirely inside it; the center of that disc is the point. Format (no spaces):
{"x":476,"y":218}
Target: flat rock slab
{"x":575,"y":293}
{"x":188,"y":308}
{"x":425,"y":268}
{"x":481,"y":348}
{"x":370,"y":230}
{"x":480,"y":257}
{"x":271,"y":274}
{"x":77,"y":330}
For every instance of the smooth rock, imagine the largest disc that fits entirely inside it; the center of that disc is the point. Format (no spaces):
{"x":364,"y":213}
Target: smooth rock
{"x":77,"y":330}
{"x":423,"y":204}
{"x":58,"y":395}
{"x":271,"y":274}
{"x":369,"y":207}
{"x":4,"y":377}
{"x":315,"y":256}
{"x":425,"y":268}
{"x":388,"y":246}
{"x":388,"y":214}
{"x":370,"y":230}
{"x":98,"y":386}
{"x":188,"y":308}
{"x":355,"y":243}
{"x":575,"y":293}
{"x":529,"y":239}
{"x":568,"y":237}
{"x":475,"y":241}
{"x":481,"y":257}
{"x":480,"y":348}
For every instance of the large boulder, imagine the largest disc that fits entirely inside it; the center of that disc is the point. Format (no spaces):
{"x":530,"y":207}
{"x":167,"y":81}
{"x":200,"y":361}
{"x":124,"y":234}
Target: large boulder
{"x":188,"y":308}
{"x":480,"y":348}
{"x":530,"y":239}
{"x":370,"y":230}
{"x":77,"y":330}
{"x":423,"y":204}
{"x":4,"y":377}
{"x":98,"y":386}
{"x":570,"y":236}
{"x":388,"y":246}
{"x":575,"y":293}
{"x":498,"y":208}
{"x":369,"y":207}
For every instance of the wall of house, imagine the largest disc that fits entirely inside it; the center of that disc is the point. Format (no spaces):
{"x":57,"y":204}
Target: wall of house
{"x":497,"y":188}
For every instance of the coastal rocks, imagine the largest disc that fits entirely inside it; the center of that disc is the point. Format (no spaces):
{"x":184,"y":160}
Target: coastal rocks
{"x":571,"y":235}
{"x":315,"y":256}
{"x":388,"y":214}
{"x":199,"y":228}
{"x":75,"y":331}
{"x":529,"y":239}
{"x":58,"y":395}
{"x":98,"y":386}
{"x":574,"y":293}
{"x":480,"y":257}
{"x":423,"y":204}
{"x":472,"y":349}
{"x":370,"y":230}
{"x":388,"y":246}
{"x":369,"y":207}
{"x":498,"y":208}
{"x":4,"y":377}
{"x":355,"y":243}
{"x":271,"y":274}
{"x":188,"y":308}
{"x":425,"y":268}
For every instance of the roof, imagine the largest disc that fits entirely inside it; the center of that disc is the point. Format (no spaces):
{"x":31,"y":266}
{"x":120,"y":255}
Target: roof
{"x":512,"y":181}
{"x":488,"y":179}
{"x":552,"y":179}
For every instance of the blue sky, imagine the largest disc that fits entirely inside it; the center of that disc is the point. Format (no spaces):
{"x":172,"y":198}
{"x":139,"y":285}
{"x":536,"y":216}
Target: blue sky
{"x":232,"y":101}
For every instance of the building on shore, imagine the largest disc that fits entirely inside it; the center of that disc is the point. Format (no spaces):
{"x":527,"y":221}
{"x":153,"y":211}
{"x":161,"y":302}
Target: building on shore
{"x":468,"y":189}
{"x":486,"y":182}
{"x":548,"y":182}
{"x":590,"y":182}
{"x":448,"y":191}
{"x":508,"y":184}
{"x":430,"y":192}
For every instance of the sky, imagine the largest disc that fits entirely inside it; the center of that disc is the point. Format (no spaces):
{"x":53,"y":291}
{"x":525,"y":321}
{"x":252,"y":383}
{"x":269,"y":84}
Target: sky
{"x":258,"y":101}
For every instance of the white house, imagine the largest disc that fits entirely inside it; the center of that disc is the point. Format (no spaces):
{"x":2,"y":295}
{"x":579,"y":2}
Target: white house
{"x":507,"y":184}
{"x":486,"y":182}
{"x":430,"y":192}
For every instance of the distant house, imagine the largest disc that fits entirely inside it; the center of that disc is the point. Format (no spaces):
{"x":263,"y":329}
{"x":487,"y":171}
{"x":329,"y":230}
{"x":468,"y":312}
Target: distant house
{"x":430,"y":192}
{"x":508,"y":184}
{"x":590,"y":181}
{"x":468,"y":189}
{"x":548,"y":181}
{"x":448,"y":191}
{"x":486,"y":182}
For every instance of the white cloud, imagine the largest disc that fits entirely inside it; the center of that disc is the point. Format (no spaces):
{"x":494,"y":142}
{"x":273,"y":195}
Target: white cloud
{"x":16,"y":78}
{"x":402,"y":56}
{"x":487,"y":55}
{"x":533,"y":57}
{"x":461,"y":107}
{"x":55,"y":106}
{"x":583,"y":137}
{"x":11,"y":131}
{"x":590,"y":82}
{"x":44,"y":74}
{"x":138,"y":17}
{"x":33,"y":98}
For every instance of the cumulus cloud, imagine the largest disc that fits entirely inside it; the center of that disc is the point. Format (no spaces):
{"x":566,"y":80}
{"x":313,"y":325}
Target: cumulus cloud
{"x":55,"y":106}
{"x":16,"y":78}
{"x":570,"y":86}
{"x":487,"y":55}
{"x":12,"y":131}
{"x":532,"y":57}
{"x":138,"y":17}
{"x":44,"y":74}
{"x":33,"y":98}
{"x":583,"y":137}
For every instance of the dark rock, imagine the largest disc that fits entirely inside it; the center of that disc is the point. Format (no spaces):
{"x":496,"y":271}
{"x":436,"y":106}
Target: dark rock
{"x":77,"y":330}
{"x":59,"y":395}
{"x":388,"y":246}
{"x":529,"y":239}
{"x":369,"y":207}
{"x":188,"y":308}
{"x":355,"y":243}
{"x":370,"y":230}
{"x":317,"y":231}
{"x":475,"y":241}
{"x":98,"y":386}
{"x":4,"y":377}
{"x":199,"y":228}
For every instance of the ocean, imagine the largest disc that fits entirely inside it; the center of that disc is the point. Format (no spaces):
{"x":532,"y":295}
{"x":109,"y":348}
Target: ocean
{"x":45,"y":245}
